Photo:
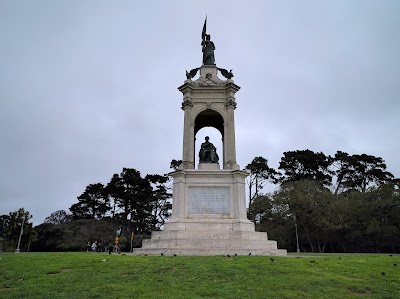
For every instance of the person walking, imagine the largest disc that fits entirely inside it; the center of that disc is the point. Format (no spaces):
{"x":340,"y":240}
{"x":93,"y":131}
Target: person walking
{"x":94,"y":246}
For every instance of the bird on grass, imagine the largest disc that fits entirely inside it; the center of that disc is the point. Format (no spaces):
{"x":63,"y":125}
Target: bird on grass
{"x":228,"y":255}
{"x":162,"y":254}
{"x":395,"y":265}
{"x":250,"y":253}
{"x":235,"y":254}
{"x":383,"y":273}
{"x":313,"y":261}
{"x":272,"y":259}
{"x":174,"y":254}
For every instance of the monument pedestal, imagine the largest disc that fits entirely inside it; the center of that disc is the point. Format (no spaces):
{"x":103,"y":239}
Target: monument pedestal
{"x":209,"y":214}
{"x":209,"y":217}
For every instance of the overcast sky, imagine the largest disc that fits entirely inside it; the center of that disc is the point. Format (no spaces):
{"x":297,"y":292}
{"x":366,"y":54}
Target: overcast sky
{"x":90,"y":87}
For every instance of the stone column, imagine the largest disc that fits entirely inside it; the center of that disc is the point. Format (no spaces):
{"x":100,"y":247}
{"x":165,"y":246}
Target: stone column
{"x":178,"y":205}
{"x":188,"y":136}
{"x":224,"y":147}
{"x":230,"y":135}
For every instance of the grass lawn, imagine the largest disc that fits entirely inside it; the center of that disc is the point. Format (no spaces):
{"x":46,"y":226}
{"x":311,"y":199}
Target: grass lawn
{"x":98,"y":275}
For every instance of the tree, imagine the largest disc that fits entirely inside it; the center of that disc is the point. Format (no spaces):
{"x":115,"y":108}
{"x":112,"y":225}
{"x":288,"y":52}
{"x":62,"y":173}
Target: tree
{"x":11,"y":228}
{"x":74,"y":235}
{"x":383,"y":226}
{"x":307,"y":203}
{"x":261,"y":208}
{"x":175,"y":164}
{"x":161,"y":195}
{"x":359,"y":172}
{"x":260,"y":174}
{"x":274,"y":218}
{"x":93,"y":203}
{"x":305,"y":165}
{"x":132,"y":195}
{"x":58,"y":217}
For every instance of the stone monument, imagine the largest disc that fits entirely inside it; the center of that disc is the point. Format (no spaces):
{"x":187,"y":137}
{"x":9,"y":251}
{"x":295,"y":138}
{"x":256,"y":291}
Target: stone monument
{"x":209,"y":208}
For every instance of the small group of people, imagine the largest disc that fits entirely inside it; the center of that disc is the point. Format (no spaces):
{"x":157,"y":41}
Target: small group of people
{"x":95,"y":247}
{"x":98,"y":247}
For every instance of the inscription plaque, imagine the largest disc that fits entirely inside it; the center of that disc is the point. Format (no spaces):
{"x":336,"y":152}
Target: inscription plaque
{"x":209,"y":200}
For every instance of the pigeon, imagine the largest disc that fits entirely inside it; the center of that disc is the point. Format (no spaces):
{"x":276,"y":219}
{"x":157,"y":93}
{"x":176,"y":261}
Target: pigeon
{"x":395,"y":265}
{"x":228,"y":255}
{"x":174,"y":254}
{"x":383,"y":273}
{"x":272,"y":259}
{"x":250,"y":253}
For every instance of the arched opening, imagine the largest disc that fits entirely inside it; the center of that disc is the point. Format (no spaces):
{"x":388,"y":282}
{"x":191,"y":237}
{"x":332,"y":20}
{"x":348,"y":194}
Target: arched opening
{"x":215,"y":139}
{"x":209,"y":123}
{"x":209,"y":118}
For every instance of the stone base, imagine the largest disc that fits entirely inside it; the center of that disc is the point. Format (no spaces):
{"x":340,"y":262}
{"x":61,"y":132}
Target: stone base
{"x":209,"y":166}
{"x":209,"y":217}
{"x":209,"y":237}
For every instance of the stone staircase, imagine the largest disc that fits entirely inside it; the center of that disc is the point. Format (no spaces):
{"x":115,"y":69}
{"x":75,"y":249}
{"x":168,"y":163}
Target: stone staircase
{"x":211,"y":237}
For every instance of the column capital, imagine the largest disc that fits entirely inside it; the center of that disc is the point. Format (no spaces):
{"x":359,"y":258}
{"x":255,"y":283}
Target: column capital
{"x":231,"y":103}
{"x":187,"y":103}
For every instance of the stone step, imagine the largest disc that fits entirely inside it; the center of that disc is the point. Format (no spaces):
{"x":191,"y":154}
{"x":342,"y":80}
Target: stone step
{"x":210,"y":243}
{"x":215,"y":234}
{"x":209,"y":225}
{"x":208,"y":252}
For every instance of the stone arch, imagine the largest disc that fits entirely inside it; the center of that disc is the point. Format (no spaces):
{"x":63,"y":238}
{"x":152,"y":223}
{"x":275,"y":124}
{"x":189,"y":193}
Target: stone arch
{"x":209,"y":118}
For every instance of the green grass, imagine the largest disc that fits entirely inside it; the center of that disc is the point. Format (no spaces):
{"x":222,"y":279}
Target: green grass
{"x":85,"y":275}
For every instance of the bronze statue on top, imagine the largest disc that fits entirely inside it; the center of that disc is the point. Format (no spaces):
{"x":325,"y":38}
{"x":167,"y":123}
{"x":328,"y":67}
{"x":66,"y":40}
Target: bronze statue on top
{"x":208,"y":152}
{"x":208,"y":51}
{"x":208,"y":47}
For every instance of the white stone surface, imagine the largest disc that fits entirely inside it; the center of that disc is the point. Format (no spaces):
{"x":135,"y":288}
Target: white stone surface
{"x":209,"y":166}
{"x":209,"y":200}
{"x":209,"y":218}
{"x":209,"y":206}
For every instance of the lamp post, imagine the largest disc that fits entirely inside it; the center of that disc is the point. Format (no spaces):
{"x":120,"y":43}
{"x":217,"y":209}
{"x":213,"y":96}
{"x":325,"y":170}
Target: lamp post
{"x":20,"y":236}
{"x":297,"y":235}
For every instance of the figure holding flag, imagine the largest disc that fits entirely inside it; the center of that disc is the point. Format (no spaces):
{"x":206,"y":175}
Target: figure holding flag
{"x":208,"y":47}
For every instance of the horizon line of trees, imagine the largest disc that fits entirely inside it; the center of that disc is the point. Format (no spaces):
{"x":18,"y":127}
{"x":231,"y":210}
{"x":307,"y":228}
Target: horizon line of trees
{"x":340,"y":203}
{"x":135,"y":204}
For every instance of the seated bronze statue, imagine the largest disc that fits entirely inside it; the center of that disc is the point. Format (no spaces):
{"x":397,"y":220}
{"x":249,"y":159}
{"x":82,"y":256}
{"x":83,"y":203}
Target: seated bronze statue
{"x":208,"y":152}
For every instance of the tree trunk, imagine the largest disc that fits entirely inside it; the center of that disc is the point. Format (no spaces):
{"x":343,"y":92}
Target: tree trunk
{"x":308,"y":238}
{"x":343,"y":246}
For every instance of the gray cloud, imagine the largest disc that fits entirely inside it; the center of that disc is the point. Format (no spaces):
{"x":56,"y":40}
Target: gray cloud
{"x":87,"y":88}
